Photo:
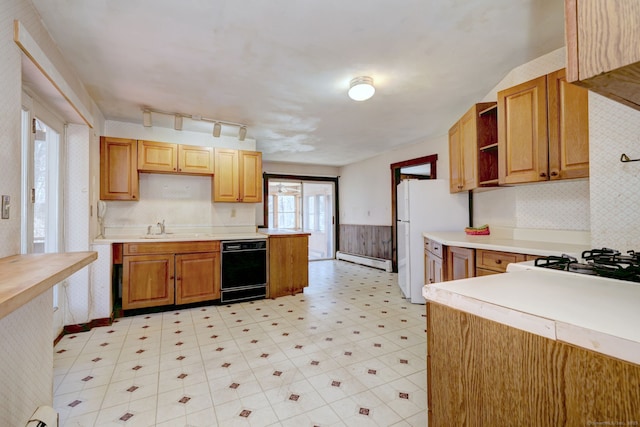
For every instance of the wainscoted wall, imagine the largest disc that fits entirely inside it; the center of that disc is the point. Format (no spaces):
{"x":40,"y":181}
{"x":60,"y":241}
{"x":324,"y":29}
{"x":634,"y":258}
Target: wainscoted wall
{"x":369,"y":240}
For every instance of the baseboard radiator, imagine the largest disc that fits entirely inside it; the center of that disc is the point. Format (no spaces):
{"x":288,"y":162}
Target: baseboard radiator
{"x":382,"y":264}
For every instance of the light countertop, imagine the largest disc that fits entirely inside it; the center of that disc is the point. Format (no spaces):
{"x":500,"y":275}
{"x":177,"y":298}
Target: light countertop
{"x":595,"y":313}
{"x":177,"y":237}
{"x":502,"y":243}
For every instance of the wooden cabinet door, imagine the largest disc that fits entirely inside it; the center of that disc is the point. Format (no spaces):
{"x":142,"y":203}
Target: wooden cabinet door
{"x":226,"y":186}
{"x":568,"y":128}
{"x":469,"y":144}
{"x":195,"y":160}
{"x":288,"y":265}
{"x":250,"y":176}
{"x":522,"y":132}
{"x":460,"y":263}
{"x":197,"y":277}
{"x":147,"y":281}
{"x":433,"y":269}
{"x":455,"y":159}
{"x":118,"y":169}
{"x":157,"y":157}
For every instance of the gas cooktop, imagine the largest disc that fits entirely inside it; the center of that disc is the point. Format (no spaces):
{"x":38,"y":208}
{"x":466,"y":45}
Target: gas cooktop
{"x":602,"y":262}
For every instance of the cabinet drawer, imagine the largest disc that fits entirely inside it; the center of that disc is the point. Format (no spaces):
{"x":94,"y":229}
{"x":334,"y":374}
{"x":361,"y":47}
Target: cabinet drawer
{"x":433,"y":247}
{"x":483,"y":272}
{"x":496,"y":261}
{"x":171,"y":247}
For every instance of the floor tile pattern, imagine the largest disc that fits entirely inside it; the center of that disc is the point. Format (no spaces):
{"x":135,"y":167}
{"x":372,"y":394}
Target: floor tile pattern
{"x":349,"y":351}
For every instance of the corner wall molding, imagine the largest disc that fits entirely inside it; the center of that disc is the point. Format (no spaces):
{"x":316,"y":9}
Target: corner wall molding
{"x":30,"y":47}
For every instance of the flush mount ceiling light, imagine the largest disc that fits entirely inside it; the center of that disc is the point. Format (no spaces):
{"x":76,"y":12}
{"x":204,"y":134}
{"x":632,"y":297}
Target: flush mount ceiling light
{"x":217,"y":128}
{"x":146,"y":118}
{"x":361,"y":88}
{"x":178,"y":119}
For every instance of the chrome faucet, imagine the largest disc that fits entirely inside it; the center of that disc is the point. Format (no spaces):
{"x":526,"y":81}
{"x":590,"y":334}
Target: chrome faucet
{"x":161,"y":226}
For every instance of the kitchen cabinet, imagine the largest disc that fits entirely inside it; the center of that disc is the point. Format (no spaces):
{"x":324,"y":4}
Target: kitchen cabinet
{"x":473,"y":149}
{"x":460,"y":263}
{"x":288,"y":268}
{"x":159,"y":273}
{"x":433,"y":263}
{"x":484,"y":373}
{"x":238,"y":176}
{"x":603,"y":54}
{"x":118,"y":169}
{"x":162,"y":157}
{"x":495,"y":262}
{"x":543,"y":131}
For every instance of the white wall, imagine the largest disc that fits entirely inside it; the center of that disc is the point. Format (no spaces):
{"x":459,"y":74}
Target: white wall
{"x":365,"y":187}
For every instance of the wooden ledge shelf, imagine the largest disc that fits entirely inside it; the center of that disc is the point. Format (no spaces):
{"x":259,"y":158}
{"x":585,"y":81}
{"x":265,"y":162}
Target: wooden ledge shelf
{"x":24,"y":277}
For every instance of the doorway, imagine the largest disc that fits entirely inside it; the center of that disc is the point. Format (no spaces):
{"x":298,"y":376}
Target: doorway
{"x":306,"y":204}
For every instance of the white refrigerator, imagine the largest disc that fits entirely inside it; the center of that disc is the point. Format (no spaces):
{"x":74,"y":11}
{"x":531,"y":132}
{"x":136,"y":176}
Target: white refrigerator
{"x":424,"y":205}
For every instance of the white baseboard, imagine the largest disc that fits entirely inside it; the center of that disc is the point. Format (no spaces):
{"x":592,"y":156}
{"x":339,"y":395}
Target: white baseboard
{"x":382,"y":264}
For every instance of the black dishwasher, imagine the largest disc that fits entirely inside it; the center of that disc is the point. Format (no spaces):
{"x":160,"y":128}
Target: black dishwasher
{"x":244,"y":270}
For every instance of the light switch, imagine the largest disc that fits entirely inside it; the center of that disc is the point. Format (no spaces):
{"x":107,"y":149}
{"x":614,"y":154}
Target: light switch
{"x":5,"y":207}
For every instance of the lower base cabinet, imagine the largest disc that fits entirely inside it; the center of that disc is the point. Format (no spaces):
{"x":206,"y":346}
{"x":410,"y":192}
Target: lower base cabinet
{"x":194,"y":274}
{"x":483,"y":373}
{"x":288,"y":264}
{"x":158,"y":274}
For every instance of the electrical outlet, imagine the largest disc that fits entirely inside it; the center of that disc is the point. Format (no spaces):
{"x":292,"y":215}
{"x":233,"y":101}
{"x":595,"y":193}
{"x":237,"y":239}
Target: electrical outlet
{"x":5,"y":206}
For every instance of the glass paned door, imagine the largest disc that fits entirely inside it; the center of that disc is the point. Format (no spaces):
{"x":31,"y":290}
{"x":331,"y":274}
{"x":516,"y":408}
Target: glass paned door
{"x":318,"y":218}
{"x":306,"y":206}
{"x":41,"y":220}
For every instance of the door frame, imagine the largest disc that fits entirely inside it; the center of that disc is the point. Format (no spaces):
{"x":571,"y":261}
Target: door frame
{"x":333,"y":179}
{"x":432,"y":160}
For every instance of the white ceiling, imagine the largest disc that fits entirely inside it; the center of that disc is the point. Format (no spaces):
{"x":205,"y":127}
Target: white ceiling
{"x":283,"y":66}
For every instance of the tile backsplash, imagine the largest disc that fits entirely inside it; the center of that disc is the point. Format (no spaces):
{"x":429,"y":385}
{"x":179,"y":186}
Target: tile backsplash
{"x":615,"y":186}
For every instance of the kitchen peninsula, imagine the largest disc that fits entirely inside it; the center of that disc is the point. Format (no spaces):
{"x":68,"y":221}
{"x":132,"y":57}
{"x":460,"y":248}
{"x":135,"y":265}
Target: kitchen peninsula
{"x":533,"y":347}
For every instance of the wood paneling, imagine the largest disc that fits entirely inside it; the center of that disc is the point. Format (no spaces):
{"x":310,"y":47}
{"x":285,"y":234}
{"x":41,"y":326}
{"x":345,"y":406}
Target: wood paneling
{"x":482,"y":373}
{"x":368,"y":240}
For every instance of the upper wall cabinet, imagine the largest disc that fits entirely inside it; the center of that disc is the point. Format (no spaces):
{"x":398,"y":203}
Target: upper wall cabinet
{"x":603,"y":53}
{"x":118,"y":169}
{"x":473,"y":149}
{"x":162,"y":157}
{"x":543,"y":131}
{"x":238,"y":176}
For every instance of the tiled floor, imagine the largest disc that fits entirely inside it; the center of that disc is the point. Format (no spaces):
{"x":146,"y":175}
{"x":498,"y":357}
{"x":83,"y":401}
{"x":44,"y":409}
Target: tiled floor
{"x":348,"y":352}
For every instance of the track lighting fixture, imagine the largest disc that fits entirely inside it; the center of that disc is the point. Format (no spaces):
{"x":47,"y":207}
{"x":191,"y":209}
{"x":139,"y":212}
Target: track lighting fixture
{"x":146,"y":118}
{"x":361,"y":88}
{"x":178,"y":121}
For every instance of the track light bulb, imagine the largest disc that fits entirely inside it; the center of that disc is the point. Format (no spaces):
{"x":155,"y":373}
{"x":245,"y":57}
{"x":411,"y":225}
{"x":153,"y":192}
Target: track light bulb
{"x":146,"y":118}
{"x":217,"y":128}
{"x":242,"y":133}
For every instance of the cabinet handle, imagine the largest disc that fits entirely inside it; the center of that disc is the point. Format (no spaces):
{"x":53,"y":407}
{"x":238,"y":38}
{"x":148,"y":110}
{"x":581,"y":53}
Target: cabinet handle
{"x":554,"y":173}
{"x":498,"y":261}
{"x":543,"y":174}
{"x":459,"y":186}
